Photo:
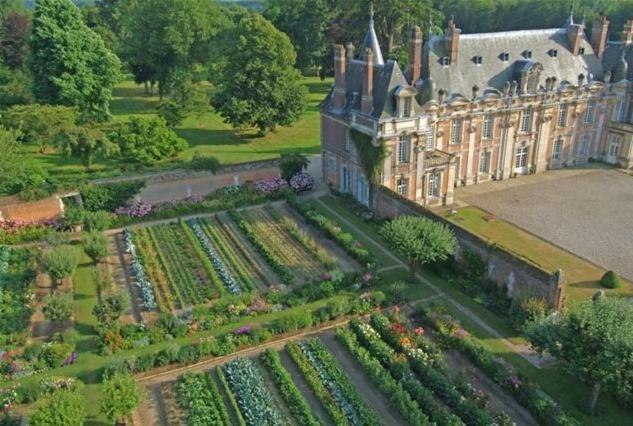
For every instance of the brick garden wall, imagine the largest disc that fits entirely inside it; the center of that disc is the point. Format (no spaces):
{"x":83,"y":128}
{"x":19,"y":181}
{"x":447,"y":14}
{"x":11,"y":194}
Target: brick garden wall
{"x":506,"y":268}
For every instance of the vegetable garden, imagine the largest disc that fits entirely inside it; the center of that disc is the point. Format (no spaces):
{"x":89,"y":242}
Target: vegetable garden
{"x":186,"y":263}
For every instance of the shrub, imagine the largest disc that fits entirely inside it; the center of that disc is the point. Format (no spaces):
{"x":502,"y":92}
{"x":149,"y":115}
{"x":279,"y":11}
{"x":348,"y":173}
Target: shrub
{"x":97,"y":221}
{"x":109,"y":197}
{"x":528,"y":309}
{"x":610,"y":280}
{"x":292,"y":322}
{"x":95,"y":245}
{"x":292,"y":164}
{"x":61,"y":261}
{"x":205,"y":162}
{"x":302,"y":182}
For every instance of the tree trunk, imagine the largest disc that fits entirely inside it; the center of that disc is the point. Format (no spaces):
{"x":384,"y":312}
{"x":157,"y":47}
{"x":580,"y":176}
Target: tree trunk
{"x":593,"y":399}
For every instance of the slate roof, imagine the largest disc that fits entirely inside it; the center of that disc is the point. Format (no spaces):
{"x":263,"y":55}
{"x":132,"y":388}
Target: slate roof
{"x":613,"y":55}
{"x":459,"y":78}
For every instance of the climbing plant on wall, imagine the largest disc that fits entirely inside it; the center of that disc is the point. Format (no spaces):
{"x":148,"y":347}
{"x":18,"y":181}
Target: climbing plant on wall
{"x":372,"y":158}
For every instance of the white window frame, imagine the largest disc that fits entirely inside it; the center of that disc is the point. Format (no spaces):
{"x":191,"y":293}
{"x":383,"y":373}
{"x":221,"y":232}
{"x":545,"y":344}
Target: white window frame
{"x":488,"y":127}
{"x":348,"y":141}
{"x":407,"y":107}
{"x":435,"y":183}
{"x":614,"y":142}
{"x":557,"y":149}
{"x":456,"y":131}
{"x":583,"y":146}
{"x":402,"y":186}
{"x":521,"y":160}
{"x":484,"y":160}
{"x":404,"y":148}
{"x":620,"y":110}
{"x":526,"y":121}
{"x":430,"y":141}
{"x":562,"y":115}
{"x":589,"y":113}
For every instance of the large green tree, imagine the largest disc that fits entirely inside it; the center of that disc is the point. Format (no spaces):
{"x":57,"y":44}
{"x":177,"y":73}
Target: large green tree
{"x":70,"y":63}
{"x":15,"y":88}
{"x":120,"y":397}
{"x":17,"y":173}
{"x":163,"y":40}
{"x":39,"y":124}
{"x":63,"y":407}
{"x":258,"y":85}
{"x":14,"y":39}
{"x":420,"y":240}
{"x":85,"y":143}
{"x":594,"y":339}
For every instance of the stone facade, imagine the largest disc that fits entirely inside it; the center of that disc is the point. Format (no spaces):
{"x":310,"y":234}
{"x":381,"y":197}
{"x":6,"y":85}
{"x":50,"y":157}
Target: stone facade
{"x":476,"y":107}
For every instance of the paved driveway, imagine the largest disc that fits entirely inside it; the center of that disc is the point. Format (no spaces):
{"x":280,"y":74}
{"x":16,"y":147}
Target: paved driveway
{"x":588,"y":212}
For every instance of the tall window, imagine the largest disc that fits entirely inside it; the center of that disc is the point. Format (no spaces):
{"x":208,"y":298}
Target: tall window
{"x":430,"y":141}
{"x":526,"y":120}
{"x":348,"y":141}
{"x":406,"y":112}
{"x":484,"y":162}
{"x":521,"y":158}
{"x":590,"y":113}
{"x":558,"y":149}
{"x":404,"y":147}
{"x":488,"y":126}
{"x":583,"y":148}
{"x":435,"y":180}
{"x":402,"y":186}
{"x":562,"y":115}
{"x":620,"y":110}
{"x":456,"y":131}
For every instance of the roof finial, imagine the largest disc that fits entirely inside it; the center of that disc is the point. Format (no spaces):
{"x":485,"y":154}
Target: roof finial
{"x":570,"y":20}
{"x":430,"y":26}
{"x":371,"y":14}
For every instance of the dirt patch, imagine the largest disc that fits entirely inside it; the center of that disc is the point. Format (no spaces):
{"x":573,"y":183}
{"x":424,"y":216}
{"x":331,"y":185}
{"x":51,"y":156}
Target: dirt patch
{"x":368,"y":391}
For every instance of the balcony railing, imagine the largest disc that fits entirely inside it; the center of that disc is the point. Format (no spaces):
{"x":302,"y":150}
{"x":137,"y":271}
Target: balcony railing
{"x":436,"y":159}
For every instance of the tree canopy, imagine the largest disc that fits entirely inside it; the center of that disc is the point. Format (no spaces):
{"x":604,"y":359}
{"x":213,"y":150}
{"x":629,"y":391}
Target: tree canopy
{"x":69,"y":62}
{"x":120,"y":396}
{"x":594,"y":339}
{"x":420,"y":240}
{"x":63,"y":407}
{"x":258,"y":85}
{"x":17,"y":174}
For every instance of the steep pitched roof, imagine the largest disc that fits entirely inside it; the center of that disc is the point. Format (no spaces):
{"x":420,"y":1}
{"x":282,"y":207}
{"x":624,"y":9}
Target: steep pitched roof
{"x":614,"y":52}
{"x":493,"y":72}
{"x":371,"y":42}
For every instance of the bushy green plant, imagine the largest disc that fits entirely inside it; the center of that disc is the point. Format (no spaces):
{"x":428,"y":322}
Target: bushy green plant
{"x":205,"y":162}
{"x":292,"y":164}
{"x":95,"y":245}
{"x":61,"y":261}
{"x":63,"y":407}
{"x":526,"y":310}
{"x":97,"y":221}
{"x":611,"y":280}
{"x":110,"y":196}
{"x":58,"y":306}
{"x":120,"y":395}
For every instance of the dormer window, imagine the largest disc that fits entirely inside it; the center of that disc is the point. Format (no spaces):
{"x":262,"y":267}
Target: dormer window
{"x":446,"y":61}
{"x":504,"y":57}
{"x":406,"y":110}
{"x":527,"y":54}
{"x":553,"y":53}
{"x":581,"y":51}
{"x":477,"y":60}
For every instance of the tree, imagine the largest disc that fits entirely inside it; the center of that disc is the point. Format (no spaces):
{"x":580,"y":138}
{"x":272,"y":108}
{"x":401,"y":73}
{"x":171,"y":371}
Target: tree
{"x":63,"y":407}
{"x":594,"y":340}
{"x":147,"y":140}
{"x":58,"y":307}
{"x":14,"y":39}
{"x":110,"y":307}
{"x":610,"y":280}
{"x":163,"y":40}
{"x":95,"y":246}
{"x":70,"y":64}
{"x":258,"y":85}
{"x":15,"y":88}
{"x":420,"y":240}
{"x":61,"y":261}
{"x":39,"y":124}
{"x":17,"y":174}
{"x":172,"y":112}
{"x":291,"y":164}
{"x":120,"y":397}
{"x":96,"y":221}
{"x":85,"y":143}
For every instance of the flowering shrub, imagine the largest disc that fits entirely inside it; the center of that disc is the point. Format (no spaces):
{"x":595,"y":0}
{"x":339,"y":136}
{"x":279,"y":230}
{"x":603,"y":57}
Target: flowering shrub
{"x":270,"y":185}
{"x":12,"y":225}
{"x":302,"y":182}
{"x":245,"y":329}
{"x":135,"y":209}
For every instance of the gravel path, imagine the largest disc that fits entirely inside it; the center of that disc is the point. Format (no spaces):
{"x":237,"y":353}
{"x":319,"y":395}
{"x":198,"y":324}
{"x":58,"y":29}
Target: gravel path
{"x":588,"y":212}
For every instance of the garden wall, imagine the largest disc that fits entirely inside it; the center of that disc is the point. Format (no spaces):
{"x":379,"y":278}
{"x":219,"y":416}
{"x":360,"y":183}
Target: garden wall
{"x":522,"y":277}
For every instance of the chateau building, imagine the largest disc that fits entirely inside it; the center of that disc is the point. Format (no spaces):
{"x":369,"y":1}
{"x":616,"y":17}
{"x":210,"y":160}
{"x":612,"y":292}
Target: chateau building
{"x":474,"y":107}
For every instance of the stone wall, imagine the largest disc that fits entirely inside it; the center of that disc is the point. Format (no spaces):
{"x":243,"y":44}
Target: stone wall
{"x":521,"y":277}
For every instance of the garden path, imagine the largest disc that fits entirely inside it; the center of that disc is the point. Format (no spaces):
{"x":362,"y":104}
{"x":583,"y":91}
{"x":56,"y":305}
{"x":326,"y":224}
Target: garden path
{"x":523,"y":350}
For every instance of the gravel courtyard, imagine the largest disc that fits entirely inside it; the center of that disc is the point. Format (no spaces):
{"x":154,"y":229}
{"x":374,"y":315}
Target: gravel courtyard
{"x":586,"y":211}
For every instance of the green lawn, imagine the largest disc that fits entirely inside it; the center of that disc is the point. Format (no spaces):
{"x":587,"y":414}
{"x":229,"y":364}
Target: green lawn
{"x":582,"y":276}
{"x":206,"y":134}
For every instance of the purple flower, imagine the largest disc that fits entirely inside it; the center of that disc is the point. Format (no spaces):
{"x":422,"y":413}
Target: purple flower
{"x":302,"y":182}
{"x":135,"y":209}
{"x":245,"y":329}
{"x":270,"y":185}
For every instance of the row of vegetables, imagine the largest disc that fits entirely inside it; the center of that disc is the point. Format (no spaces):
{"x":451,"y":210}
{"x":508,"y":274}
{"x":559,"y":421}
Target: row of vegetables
{"x":5,"y":255}
{"x":147,"y":289}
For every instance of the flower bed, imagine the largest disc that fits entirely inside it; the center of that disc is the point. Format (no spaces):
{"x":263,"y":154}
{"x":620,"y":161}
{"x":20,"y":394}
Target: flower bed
{"x":147,"y":290}
{"x":16,"y":275}
{"x":270,"y":185}
{"x":293,"y":398}
{"x":217,"y":262}
{"x":529,"y":395}
{"x":254,"y":400}
{"x":199,"y":398}
{"x":302,"y":182}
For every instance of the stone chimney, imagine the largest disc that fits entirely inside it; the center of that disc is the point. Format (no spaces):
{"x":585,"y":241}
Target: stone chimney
{"x":574,"y":32}
{"x":599,"y":35}
{"x":349,"y":51}
{"x":367,"y":103}
{"x":452,"y":40}
{"x":627,"y":32}
{"x":415,"y":55}
{"x":339,"y":76}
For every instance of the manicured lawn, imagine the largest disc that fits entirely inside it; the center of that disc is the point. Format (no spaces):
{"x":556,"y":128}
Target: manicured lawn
{"x":581,"y":276}
{"x":206,"y":134}
{"x":571,"y":394}
{"x":85,"y":295}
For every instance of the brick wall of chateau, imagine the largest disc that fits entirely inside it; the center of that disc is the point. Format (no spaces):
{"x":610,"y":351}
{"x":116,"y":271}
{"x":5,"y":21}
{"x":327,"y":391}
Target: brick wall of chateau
{"x":522,"y":278}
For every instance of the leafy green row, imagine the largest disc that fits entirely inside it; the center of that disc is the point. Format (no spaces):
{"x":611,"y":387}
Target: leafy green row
{"x":399,"y":397}
{"x":292,"y":396}
{"x":199,"y":398}
{"x":269,"y":255}
{"x":231,"y":397}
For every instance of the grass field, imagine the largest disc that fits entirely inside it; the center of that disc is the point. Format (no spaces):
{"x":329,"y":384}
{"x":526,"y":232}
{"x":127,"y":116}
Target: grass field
{"x":206,"y":134}
{"x":582,"y":276}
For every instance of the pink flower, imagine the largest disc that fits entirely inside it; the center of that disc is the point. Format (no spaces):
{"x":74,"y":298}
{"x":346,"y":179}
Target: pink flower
{"x":419,"y":331}
{"x":270,"y":185}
